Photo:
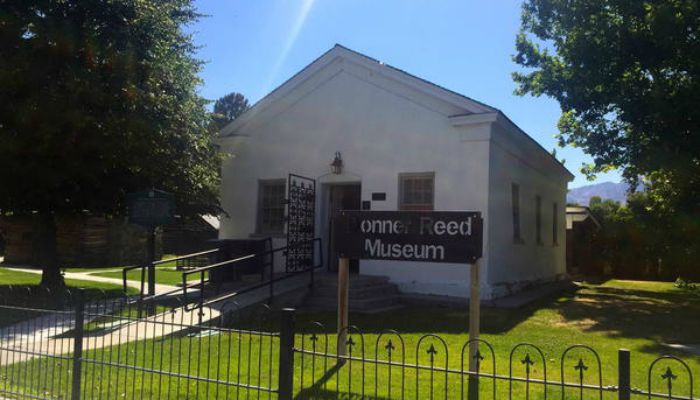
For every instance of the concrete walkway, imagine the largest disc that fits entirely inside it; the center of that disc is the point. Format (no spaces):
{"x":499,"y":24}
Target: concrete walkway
{"x":49,"y":335}
{"x":87,"y":276}
{"x":43,"y":336}
{"x":693,"y":349}
{"x":525,"y":297}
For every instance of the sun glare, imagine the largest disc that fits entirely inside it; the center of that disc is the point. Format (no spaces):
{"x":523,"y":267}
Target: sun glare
{"x":291,"y":38}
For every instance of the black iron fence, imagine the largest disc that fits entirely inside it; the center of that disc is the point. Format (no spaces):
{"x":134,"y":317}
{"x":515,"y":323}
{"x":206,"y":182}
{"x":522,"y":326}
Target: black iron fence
{"x":104,"y":350}
{"x":389,"y":367}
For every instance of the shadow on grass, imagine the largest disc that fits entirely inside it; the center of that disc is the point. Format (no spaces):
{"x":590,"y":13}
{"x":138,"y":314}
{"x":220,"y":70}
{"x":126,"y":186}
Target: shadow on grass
{"x":670,"y":317}
{"x":327,"y":394}
{"x":40,"y":298}
{"x":316,"y":390}
{"x":430,"y":319}
{"x":664,"y":317}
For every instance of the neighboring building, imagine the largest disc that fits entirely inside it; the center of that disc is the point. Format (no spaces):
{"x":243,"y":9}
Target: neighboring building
{"x":405,"y":144}
{"x":581,"y":226}
{"x":82,"y":240}
{"x":190,"y":234}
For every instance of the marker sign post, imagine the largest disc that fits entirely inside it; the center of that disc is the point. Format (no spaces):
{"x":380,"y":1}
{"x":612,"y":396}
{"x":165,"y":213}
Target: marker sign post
{"x":423,"y":236}
{"x":151,"y":208}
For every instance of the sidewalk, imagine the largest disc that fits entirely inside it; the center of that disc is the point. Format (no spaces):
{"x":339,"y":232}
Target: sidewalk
{"x":41,"y":337}
{"x":86,"y":276}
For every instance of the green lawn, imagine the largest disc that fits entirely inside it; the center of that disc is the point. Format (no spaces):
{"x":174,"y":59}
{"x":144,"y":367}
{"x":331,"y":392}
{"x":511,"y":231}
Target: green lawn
{"x":166,"y":275}
{"x":638,"y":316}
{"x":617,"y":314}
{"x":18,"y":279}
{"x":22,"y":289}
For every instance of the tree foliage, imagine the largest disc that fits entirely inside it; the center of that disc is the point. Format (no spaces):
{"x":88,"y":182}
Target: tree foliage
{"x":637,"y":241}
{"x":627,"y":77}
{"x":99,"y":99}
{"x":228,"y":108}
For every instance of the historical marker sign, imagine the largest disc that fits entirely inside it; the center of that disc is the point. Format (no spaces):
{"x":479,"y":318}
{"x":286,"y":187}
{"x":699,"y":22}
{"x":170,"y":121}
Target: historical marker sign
{"x":151,"y":208}
{"x":428,"y":236}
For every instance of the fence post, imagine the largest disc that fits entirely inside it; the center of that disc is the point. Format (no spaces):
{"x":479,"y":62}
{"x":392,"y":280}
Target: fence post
{"x":286,"y":367}
{"x":623,"y":368}
{"x":78,"y":345}
{"x":474,"y":329}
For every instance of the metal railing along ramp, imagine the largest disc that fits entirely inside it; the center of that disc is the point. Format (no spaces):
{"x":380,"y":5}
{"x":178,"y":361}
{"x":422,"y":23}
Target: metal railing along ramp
{"x":198,"y":290}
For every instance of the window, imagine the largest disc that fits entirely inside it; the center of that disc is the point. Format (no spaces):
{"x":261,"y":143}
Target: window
{"x":271,"y":195}
{"x":515,"y":201}
{"x":538,"y":218}
{"x":555,"y":224}
{"x":416,"y":191}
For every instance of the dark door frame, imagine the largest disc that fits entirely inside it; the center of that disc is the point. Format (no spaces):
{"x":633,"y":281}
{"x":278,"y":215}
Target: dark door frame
{"x":327,"y":200}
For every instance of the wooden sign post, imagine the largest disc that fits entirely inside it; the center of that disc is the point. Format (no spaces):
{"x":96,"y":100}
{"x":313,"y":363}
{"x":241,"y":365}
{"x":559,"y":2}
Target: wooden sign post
{"x":474,"y":328}
{"x":343,"y":296}
{"x":454,"y":237}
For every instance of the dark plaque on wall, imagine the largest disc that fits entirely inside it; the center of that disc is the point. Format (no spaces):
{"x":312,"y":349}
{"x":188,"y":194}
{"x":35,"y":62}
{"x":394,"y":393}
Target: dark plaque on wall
{"x":366,"y":205}
{"x":378,"y":196}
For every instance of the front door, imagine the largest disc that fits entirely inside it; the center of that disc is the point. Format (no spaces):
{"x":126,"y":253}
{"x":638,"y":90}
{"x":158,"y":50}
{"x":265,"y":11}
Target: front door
{"x":342,"y":197}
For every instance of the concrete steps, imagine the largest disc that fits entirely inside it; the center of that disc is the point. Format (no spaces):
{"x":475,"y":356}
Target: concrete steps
{"x":368,"y":294}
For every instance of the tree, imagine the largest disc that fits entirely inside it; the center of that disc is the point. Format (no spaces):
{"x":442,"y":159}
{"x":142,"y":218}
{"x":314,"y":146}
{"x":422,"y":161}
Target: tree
{"x":640,"y":240}
{"x":99,"y":99}
{"x":627,"y":77}
{"x":228,"y":108}
{"x":613,"y":242}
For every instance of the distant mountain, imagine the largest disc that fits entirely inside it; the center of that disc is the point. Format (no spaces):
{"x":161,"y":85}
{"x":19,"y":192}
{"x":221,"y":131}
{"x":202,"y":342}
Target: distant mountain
{"x":605,"y":190}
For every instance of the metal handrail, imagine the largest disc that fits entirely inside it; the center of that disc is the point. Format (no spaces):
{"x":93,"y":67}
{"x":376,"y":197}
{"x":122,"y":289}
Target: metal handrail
{"x":270,"y":264}
{"x":143,"y":267}
{"x":186,"y":256}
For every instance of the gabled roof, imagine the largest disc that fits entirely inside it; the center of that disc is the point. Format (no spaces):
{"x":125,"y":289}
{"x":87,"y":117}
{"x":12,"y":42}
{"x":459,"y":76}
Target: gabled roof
{"x":576,"y":214}
{"x":470,"y":105}
{"x":469,"y":100}
{"x":471,"y":108}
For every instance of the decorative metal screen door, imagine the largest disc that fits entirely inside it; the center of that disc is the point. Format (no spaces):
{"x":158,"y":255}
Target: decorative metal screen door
{"x":301,"y":205}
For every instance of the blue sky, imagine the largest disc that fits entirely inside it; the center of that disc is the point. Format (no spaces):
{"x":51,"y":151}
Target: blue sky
{"x":466,"y":46}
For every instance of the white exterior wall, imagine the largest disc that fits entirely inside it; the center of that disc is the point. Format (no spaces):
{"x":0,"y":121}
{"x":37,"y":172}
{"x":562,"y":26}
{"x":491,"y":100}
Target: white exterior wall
{"x":380,"y":134}
{"x":384,"y":127}
{"x":516,"y":265}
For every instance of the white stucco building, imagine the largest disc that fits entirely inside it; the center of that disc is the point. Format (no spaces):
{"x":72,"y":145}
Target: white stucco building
{"x":406,"y":144}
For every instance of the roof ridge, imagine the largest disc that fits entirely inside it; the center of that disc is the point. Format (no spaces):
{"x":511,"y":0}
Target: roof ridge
{"x":338,"y":45}
{"x":225,"y":131}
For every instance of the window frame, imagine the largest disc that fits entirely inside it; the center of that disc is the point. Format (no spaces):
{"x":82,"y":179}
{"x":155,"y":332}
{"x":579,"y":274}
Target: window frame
{"x":555,"y":224}
{"x":516,"y":214}
{"x":538,"y":220}
{"x":402,"y":206}
{"x":262,"y":184}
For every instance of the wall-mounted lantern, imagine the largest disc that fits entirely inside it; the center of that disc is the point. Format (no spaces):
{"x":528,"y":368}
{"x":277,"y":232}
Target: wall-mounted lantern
{"x":337,"y":164}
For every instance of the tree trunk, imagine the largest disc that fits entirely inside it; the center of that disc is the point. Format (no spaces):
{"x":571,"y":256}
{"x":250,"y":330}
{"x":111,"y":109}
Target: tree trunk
{"x":48,"y":253}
